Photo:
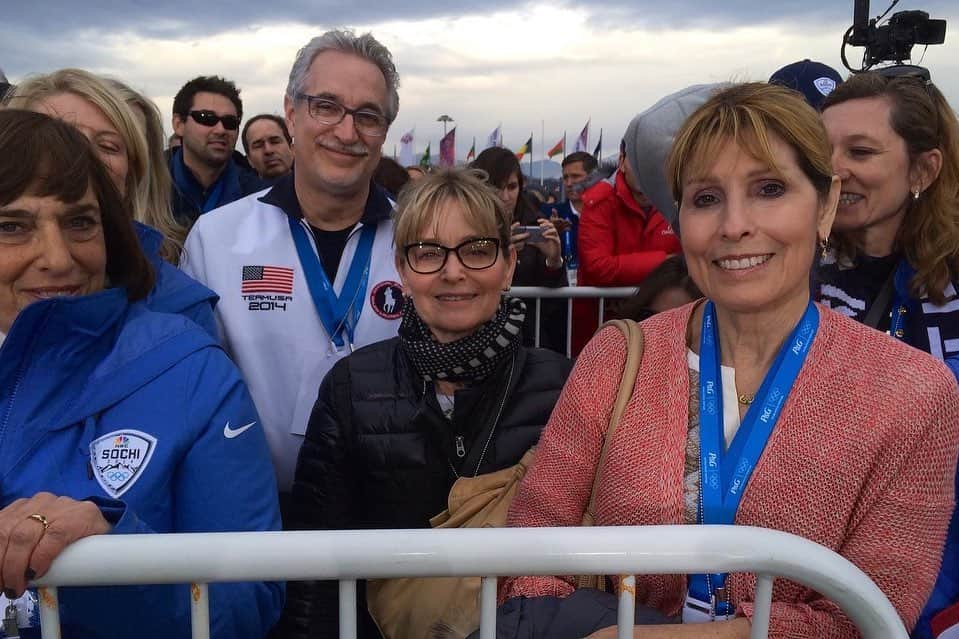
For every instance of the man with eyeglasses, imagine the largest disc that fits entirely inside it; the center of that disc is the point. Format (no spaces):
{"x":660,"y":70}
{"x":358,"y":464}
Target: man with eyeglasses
{"x":207,"y":172}
{"x":305,"y":271}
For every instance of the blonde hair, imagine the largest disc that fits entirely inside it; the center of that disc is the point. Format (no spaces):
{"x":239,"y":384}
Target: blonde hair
{"x":747,"y":115}
{"x":929,"y":234}
{"x":422,"y":200}
{"x":158,"y":186}
{"x":98,"y":91}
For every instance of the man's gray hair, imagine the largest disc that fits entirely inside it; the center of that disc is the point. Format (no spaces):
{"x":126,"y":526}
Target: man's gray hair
{"x":345,"y":41}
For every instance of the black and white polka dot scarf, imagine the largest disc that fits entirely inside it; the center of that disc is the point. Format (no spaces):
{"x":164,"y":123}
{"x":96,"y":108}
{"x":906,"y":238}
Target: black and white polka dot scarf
{"x":471,"y":358}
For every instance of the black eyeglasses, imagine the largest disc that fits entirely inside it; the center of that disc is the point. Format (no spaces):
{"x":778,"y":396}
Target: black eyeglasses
{"x":331,"y":112}
{"x":426,"y":257}
{"x":209,"y":118}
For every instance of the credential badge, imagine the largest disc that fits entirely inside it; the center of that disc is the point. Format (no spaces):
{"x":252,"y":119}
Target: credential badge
{"x":119,"y":458}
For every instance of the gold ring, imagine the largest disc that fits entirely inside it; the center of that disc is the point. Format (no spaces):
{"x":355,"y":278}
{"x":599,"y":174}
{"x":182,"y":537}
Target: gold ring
{"x":43,"y":520}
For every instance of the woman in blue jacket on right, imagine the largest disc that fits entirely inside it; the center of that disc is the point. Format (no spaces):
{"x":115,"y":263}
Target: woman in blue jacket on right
{"x":114,"y":418}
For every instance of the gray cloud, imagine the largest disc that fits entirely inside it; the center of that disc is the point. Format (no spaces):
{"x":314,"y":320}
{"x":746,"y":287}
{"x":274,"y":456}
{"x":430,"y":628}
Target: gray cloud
{"x":46,"y":34}
{"x":183,"y":18}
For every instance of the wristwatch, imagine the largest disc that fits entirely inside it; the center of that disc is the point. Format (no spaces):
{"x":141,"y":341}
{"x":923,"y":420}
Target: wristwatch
{"x":555,"y":267}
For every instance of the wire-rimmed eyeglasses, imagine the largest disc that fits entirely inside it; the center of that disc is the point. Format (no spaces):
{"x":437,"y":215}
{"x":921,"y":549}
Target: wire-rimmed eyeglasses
{"x":331,"y":112}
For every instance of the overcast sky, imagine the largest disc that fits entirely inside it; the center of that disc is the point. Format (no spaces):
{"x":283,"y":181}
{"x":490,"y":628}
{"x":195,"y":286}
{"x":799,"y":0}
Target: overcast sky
{"x":528,"y":65}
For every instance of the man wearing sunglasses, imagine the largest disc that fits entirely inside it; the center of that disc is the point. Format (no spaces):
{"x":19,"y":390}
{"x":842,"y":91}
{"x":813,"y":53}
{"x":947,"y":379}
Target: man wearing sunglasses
{"x":305,"y":271}
{"x":207,"y":172}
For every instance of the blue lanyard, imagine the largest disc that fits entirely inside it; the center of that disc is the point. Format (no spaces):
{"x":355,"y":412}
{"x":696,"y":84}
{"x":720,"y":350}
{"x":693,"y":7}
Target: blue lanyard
{"x":724,"y":475}
{"x":342,"y":313}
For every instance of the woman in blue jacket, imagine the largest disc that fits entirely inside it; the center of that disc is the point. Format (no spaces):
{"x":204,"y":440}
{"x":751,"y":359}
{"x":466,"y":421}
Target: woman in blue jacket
{"x":113,"y":418}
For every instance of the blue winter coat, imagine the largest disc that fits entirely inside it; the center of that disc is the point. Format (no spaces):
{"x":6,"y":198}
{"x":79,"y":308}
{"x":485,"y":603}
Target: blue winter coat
{"x":175,"y":291}
{"x":145,"y":414}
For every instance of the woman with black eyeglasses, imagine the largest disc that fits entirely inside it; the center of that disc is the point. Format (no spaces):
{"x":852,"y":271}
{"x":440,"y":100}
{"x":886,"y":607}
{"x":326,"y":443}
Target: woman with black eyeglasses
{"x":894,"y":261}
{"x":455,"y":395}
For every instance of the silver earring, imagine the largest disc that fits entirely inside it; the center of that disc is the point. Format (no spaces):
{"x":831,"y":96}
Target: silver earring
{"x":915,"y":194}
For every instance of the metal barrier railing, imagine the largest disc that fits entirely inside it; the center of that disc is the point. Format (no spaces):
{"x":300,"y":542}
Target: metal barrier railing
{"x":539,"y":293}
{"x":349,"y":555}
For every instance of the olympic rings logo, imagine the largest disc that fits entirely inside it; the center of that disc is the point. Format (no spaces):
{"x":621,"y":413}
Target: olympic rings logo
{"x":117,"y":475}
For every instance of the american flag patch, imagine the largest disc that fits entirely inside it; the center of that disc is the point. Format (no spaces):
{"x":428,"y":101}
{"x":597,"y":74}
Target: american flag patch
{"x":267,"y":279}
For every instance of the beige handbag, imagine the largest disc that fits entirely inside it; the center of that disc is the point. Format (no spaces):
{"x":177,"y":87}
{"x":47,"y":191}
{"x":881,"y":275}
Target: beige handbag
{"x":447,"y":607}
{"x":421,"y":607}
{"x":634,"y":356}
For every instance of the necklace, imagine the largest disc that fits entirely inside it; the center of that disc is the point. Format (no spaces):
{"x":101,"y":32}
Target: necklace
{"x":746,"y":399}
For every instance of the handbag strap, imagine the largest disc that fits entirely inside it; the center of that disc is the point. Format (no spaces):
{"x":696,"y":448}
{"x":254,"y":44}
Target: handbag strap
{"x":881,"y":304}
{"x":634,"y":356}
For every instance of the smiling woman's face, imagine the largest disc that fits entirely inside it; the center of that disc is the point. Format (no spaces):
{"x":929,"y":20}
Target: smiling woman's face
{"x":873,"y":162}
{"x":456,"y":300}
{"x":49,"y":248}
{"x":750,"y":231}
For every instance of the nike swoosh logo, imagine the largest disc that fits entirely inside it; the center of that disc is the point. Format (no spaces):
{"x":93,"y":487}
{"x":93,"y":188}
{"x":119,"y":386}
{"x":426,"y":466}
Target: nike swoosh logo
{"x":230,"y":433}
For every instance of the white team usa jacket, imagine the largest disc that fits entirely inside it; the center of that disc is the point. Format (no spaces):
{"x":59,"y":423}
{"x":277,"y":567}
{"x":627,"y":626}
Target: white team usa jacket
{"x":244,"y":251}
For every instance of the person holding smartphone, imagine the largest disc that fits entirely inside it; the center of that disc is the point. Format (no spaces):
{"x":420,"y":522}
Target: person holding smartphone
{"x":537,"y":244}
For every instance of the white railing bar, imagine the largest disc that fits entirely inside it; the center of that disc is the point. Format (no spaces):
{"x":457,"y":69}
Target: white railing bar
{"x":348,"y":612}
{"x":572,"y":291}
{"x":626,"y":613}
{"x":282,"y":556}
{"x":49,"y":602}
{"x":762,"y":606}
{"x":200,"y":610}
{"x":539,"y":321}
{"x":488,"y":608}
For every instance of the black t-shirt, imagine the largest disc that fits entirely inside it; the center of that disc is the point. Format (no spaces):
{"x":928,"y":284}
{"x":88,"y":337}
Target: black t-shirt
{"x":330,"y":245}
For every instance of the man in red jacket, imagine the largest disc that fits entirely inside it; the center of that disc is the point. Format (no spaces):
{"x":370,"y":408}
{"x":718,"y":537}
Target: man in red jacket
{"x":622,"y":236}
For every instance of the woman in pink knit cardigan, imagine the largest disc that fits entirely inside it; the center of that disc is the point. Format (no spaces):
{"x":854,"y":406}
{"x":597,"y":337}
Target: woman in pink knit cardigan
{"x":840,"y":434}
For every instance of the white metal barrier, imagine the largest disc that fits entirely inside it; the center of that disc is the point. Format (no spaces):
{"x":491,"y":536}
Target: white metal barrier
{"x":490,"y":553}
{"x":539,"y":293}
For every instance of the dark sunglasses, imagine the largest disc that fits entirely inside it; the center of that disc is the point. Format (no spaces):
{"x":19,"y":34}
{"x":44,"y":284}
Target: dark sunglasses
{"x":209,"y":118}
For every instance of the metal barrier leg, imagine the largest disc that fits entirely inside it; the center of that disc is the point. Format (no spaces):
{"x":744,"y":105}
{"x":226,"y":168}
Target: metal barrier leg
{"x":569,"y":327}
{"x":488,"y":608}
{"x":49,"y":612}
{"x":626,"y":616}
{"x":539,"y":321}
{"x":347,"y":609}
{"x":763,"y":603}
{"x":200,"y":611}
{"x":602,"y":311}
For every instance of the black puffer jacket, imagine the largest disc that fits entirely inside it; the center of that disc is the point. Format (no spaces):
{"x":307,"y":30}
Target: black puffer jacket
{"x":378,"y":453}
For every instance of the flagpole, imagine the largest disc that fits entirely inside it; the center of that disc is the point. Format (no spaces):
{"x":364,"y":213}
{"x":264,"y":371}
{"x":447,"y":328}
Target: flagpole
{"x":531,"y":155}
{"x":542,"y":143}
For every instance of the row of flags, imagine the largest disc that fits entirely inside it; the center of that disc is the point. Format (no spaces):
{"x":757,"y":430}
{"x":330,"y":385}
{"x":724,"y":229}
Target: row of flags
{"x":447,"y":158}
